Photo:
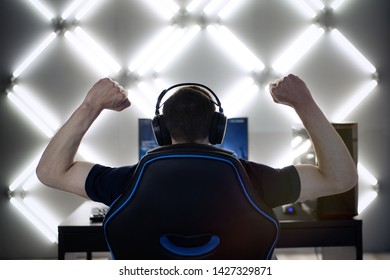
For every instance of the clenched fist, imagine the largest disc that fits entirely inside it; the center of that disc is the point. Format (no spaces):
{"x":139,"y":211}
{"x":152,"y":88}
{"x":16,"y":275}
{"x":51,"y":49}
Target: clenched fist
{"x":291,"y":91}
{"x":107,"y":94}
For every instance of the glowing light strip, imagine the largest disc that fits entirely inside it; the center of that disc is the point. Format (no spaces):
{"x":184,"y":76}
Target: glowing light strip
{"x":30,"y":114}
{"x":31,"y":182}
{"x":84,"y":10}
{"x":45,"y":216}
{"x":42,"y":9}
{"x":296,"y":141}
{"x":365,"y":200}
{"x":88,"y":154}
{"x":235,"y":48}
{"x":351,"y":51}
{"x":303,"y":8}
{"x":149,"y":91}
{"x":30,"y":59}
{"x":40,"y":111}
{"x":317,"y":4}
{"x":166,"y":8}
{"x":177,"y":48}
{"x":240,"y":95}
{"x":229,"y":8}
{"x":150,"y":49}
{"x":213,"y":6}
{"x":336,"y":4}
{"x":96,"y":64}
{"x":98,"y":51}
{"x":298,"y":49}
{"x":301,"y":149}
{"x":195,"y":4}
{"x":143,"y":104}
{"x":33,"y":219}
{"x":354,"y":102}
{"x":366,"y":175}
{"x":25,"y":175}
{"x":161,"y":50}
{"x":72,"y":7}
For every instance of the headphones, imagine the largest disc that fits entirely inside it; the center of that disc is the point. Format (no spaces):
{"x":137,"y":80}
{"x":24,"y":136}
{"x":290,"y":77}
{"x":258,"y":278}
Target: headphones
{"x":218,"y":122}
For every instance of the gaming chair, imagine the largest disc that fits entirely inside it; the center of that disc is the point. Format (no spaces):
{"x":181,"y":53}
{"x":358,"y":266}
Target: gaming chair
{"x":190,"y":201}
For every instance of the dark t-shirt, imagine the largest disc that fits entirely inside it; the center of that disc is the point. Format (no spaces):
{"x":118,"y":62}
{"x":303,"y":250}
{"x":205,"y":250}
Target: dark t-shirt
{"x":276,"y":186}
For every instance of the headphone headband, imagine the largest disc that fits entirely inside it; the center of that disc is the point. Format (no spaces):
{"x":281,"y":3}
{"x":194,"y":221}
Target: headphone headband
{"x":162,"y":94}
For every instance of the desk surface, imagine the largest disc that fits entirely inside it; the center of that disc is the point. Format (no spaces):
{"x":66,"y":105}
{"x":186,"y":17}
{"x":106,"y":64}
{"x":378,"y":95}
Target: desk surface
{"x":78,"y":234}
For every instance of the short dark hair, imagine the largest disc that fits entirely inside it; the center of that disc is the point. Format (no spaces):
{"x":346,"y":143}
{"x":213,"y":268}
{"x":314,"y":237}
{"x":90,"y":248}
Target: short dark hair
{"x":188,"y":114}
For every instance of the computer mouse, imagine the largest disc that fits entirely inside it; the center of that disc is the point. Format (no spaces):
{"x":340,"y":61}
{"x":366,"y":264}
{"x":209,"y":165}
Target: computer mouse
{"x":289,"y":209}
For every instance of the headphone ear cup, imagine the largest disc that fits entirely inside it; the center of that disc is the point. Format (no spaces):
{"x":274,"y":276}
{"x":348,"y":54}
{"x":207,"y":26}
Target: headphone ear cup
{"x":217,"y":128}
{"x":160,"y":131}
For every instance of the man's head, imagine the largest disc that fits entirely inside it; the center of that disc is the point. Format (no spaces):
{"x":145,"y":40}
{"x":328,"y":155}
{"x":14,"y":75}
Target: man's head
{"x":188,"y":115}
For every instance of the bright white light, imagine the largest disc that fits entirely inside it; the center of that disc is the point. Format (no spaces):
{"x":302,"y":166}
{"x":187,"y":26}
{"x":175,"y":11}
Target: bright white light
{"x":365,"y":200}
{"x":51,"y":222}
{"x":31,"y":182}
{"x":317,"y":4}
{"x":301,"y":149}
{"x":351,"y":51}
{"x":160,"y":84}
{"x":303,"y":8}
{"x":144,"y":104}
{"x":97,"y":50}
{"x":86,"y":9}
{"x":237,"y":50}
{"x":33,"y":219}
{"x":72,"y":7}
{"x":298,"y":49}
{"x":89,"y":154}
{"x":177,"y":48}
{"x":36,"y":106}
{"x":366,"y":175}
{"x":96,"y":64}
{"x":336,"y":4}
{"x":239,"y":97}
{"x":166,"y":8}
{"x":34,"y":54}
{"x":148,"y":91}
{"x":24,"y":176}
{"x":229,"y":8}
{"x":161,"y":51}
{"x":356,"y":99}
{"x":42,"y":9}
{"x":296,"y":141}
{"x":151,"y":49}
{"x":213,"y":6}
{"x":194,"y":5}
{"x":36,"y":117}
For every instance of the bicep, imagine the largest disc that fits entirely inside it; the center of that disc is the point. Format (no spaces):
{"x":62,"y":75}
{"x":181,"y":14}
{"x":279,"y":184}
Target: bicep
{"x":75,"y":178}
{"x":313,"y":183}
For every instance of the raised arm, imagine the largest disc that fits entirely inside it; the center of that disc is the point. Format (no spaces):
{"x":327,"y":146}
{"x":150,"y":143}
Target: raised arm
{"x":336,"y":170}
{"x":57,"y":167}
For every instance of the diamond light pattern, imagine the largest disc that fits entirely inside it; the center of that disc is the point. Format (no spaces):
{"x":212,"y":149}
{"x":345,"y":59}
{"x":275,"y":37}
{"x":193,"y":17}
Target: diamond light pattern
{"x":183,"y":24}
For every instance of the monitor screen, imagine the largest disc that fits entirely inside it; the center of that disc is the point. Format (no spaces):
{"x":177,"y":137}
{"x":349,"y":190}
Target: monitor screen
{"x":236,"y":137}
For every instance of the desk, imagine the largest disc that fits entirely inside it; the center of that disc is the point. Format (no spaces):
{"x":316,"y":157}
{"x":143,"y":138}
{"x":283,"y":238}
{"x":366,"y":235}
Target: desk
{"x":78,"y":234}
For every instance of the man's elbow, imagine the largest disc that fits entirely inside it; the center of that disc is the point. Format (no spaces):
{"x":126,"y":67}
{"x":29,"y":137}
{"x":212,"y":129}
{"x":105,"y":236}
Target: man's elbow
{"x":44,"y":175}
{"x":348,"y":181}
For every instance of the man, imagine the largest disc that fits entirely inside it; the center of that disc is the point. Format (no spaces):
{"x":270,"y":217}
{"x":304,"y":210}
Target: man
{"x":335,"y":173}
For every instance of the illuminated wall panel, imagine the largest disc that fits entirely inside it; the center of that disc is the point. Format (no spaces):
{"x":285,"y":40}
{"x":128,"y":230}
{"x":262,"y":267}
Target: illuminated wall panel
{"x":181,"y":24}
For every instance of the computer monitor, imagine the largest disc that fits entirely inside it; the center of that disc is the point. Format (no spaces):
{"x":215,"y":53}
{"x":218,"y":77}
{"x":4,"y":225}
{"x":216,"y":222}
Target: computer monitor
{"x":236,"y":137}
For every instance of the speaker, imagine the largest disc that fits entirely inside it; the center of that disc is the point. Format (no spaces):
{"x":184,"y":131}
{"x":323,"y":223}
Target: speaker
{"x":344,"y":205}
{"x":218,"y":122}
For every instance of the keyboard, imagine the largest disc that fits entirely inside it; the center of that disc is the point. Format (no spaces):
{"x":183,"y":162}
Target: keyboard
{"x":98,"y":214}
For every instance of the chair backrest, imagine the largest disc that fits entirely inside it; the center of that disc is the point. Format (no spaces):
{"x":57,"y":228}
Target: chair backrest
{"x":190,"y":201}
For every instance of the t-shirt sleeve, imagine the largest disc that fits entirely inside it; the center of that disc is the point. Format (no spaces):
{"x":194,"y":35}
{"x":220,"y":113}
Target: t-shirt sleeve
{"x":105,"y":184}
{"x":276,"y":186}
